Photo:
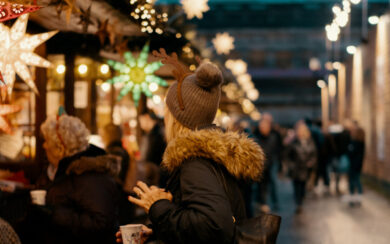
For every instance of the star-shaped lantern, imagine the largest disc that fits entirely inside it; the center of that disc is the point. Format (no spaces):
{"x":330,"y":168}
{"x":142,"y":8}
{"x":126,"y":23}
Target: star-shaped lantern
{"x":137,"y":75}
{"x":10,"y":10}
{"x":85,"y":18}
{"x":223,"y":43}
{"x":17,"y":52}
{"x":195,"y":8}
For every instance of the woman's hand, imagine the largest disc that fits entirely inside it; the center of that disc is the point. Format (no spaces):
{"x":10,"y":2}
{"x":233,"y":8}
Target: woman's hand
{"x":148,"y":195}
{"x":145,"y":234}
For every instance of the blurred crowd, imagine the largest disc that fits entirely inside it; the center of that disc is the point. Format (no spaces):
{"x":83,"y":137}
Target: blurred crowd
{"x":307,"y":154}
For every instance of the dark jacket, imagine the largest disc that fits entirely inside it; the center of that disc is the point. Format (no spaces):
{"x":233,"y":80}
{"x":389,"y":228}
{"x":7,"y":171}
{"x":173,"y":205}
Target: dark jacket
{"x":356,"y":156}
{"x":156,"y":145}
{"x":201,"y":210}
{"x":83,"y":198}
{"x":301,"y":158}
{"x":116,"y":148}
{"x":271,"y":149}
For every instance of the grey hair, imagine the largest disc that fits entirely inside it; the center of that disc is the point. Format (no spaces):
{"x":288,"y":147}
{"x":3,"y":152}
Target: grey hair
{"x":68,"y":132}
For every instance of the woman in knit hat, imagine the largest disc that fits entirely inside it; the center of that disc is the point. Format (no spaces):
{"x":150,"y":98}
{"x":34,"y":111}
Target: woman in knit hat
{"x":202,"y":201}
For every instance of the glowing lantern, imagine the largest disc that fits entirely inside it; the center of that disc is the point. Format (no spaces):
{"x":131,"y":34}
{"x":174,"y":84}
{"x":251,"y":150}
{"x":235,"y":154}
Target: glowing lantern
{"x":137,"y":75}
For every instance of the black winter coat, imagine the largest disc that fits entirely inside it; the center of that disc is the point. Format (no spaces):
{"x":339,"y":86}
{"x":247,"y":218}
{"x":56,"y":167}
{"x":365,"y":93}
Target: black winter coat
{"x":356,"y":156}
{"x":83,"y":198}
{"x":201,"y":210}
{"x":156,"y":145}
{"x":301,"y":158}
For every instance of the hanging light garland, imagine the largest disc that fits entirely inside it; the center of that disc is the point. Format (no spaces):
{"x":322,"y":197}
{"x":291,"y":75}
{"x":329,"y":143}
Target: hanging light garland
{"x":147,"y":16}
{"x":17,"y":52}
{"x":239,"y":70}
{"x":341,"y":19}
{"x":137,"y":75}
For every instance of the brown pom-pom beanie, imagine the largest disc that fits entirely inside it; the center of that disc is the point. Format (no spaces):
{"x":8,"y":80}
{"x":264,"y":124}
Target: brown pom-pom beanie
{"x":201,"y":93}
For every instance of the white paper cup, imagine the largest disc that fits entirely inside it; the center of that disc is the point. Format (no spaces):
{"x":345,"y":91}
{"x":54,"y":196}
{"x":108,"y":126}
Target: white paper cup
{"x":38,"y":197}
{"x":131,"y":234}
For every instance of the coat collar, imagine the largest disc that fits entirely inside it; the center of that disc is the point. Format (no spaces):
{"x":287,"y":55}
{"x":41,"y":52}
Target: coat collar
{"x":109,"y":164}
{"x":242,"y":157}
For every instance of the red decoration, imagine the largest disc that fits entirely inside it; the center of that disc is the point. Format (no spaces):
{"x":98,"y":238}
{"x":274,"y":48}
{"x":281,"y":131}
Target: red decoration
{"x":13,"y":10}
{"x":2,"y":79}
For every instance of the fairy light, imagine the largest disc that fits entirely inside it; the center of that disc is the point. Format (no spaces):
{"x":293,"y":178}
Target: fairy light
{"x":351,"y":49}
{"x":104,"y":69}
{"x":321,"y":84}
{"x":373,"y":20}
{"x":83,"y":69}
{"x":145,"y":14}
{"x":60,"y":69}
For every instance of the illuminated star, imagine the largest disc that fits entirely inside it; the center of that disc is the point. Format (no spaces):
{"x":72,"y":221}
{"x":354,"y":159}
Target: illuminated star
{"x":195,"y":8}
{"x":17,"y":52}
{"x":223,"y":43}
{"x":6,"y":109}
{"x":137,"y":75}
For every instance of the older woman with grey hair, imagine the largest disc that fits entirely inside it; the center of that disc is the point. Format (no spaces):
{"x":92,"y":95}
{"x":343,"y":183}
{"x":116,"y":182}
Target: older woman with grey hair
{"x":83,"y":194}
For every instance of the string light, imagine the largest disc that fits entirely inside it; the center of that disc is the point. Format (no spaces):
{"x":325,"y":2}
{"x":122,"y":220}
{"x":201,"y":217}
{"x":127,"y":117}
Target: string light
{"x":106,"y":87}
{"x":150,"y":21}
{"x":351,"y":49}
{"x":156,"y":99}
{"x":104,"y":69}
{"x":355,"y":1}
{"x":341,"y":19}
{"x":321,"y":84}
{"x":336,"y":65}
{"x":60,"y":69}
{"x":83,"y":69}
{"x":373,"y":20}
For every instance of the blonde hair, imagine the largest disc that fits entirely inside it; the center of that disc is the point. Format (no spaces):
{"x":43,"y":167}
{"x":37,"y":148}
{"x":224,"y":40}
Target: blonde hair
{"x":67,"y":133}
{"x":173,"y":128}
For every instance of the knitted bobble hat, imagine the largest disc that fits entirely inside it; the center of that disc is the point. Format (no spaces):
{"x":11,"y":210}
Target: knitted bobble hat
{"x":200,"y":94}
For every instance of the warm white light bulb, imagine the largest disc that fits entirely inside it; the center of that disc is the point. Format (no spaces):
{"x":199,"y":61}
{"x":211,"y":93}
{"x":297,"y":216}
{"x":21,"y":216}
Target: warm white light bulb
{"x":373,"y":20}
{"x":336,"y":9}
{"x":337,"y":65}
{"x":355,"y":1}
{"x":156,"y":99}
{"x":60,"y":69}
{"x":83,"y":69}
{"x":351,"y":49}
{"x":106,"y":87}
{"x":321,"y":84}
{"x":104,"y":69}
{"x":153,"y":87}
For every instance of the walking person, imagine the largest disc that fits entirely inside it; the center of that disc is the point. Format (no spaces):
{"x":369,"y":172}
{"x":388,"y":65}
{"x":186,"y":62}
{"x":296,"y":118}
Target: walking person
{"x":197,"y":207}
{"x":301,"y":156}
{"x":269,"y":143}
{"x":356,"y":156}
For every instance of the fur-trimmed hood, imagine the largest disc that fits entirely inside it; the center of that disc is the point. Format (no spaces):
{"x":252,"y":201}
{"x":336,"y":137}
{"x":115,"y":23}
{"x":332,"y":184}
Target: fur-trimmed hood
{"x":241,"y":156}
{"x":109,"y":164}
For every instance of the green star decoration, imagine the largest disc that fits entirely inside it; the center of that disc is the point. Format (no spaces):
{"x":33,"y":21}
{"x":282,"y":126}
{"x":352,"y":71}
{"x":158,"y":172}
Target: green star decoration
{"x":136,"y":74}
